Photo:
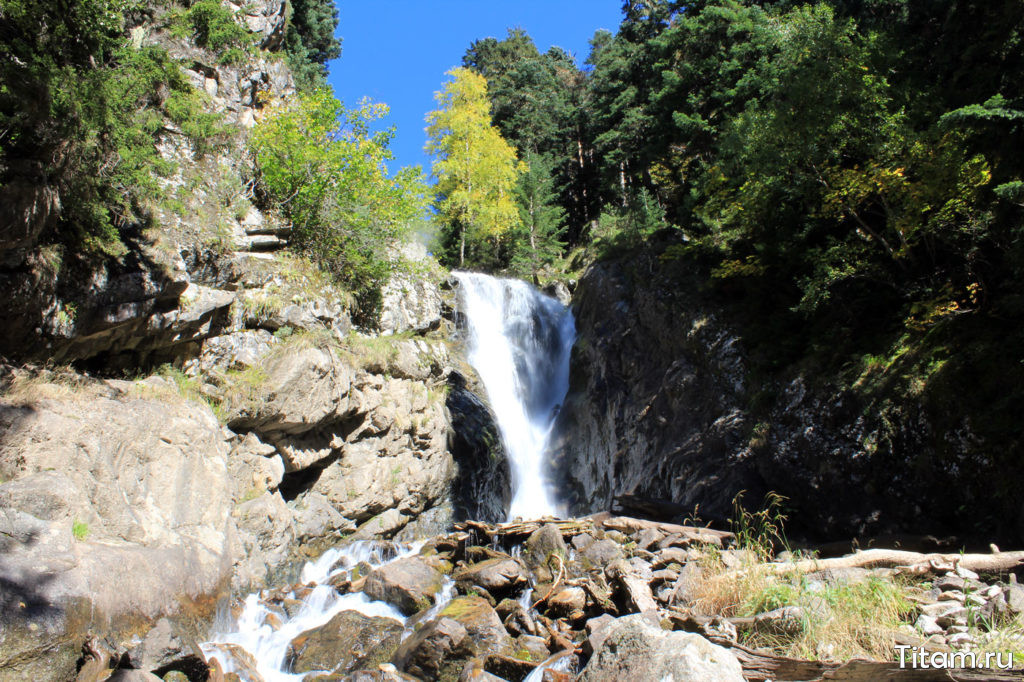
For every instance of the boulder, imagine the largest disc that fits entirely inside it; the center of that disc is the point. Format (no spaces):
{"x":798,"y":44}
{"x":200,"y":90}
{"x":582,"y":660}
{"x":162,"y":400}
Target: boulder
{"x":499,"y":576}
{"x":603,"y":552}
{"x":465,"y":629}
{"x":635,"y":588}
{"x":409,"y":584}
{"x":635,"y":649}
{"x":436,"y":651}
{"x":481,"y":622}
{"x":1015,"y":598}
{"x":568,"y":603}
{"x":348,"y":641}
{"x":539,"y":548}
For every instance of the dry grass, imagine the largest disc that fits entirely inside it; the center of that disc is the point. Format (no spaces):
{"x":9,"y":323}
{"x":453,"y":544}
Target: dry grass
{"x":27,"y":386}
{"x":839,"y":621}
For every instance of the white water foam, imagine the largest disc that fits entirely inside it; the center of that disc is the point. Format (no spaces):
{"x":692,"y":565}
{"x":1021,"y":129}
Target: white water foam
{"x":519,"y":343}
{"x":268,"y":646}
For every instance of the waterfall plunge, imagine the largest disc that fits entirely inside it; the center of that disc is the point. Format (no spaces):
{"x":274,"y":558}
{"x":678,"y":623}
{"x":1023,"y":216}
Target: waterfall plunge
{"x":519,"y":341}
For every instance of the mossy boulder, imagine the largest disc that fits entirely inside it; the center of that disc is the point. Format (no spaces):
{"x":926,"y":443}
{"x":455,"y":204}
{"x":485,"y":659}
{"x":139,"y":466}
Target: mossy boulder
{"x":409,"y":584}
{"x":348,"y":641}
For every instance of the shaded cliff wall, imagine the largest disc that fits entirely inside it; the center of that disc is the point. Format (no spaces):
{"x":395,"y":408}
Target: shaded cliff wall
{"x":666,"y":404}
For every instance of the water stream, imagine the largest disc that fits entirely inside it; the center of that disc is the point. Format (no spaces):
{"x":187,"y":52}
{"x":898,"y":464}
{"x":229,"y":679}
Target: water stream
{"x":519,"y":341}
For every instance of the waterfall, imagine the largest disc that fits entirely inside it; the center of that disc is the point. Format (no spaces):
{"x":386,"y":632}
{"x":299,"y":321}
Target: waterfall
{"x":519,"y":342}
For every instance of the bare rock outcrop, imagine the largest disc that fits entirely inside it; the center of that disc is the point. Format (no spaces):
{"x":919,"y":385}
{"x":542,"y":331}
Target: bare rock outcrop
{"x":115,"y":507}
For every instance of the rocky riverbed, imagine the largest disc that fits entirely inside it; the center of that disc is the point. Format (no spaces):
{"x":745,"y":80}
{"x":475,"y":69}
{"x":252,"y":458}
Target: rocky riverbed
{"x":600,"y":598}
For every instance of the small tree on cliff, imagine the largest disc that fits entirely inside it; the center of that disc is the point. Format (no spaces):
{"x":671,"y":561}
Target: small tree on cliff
{"x":476,"y":169}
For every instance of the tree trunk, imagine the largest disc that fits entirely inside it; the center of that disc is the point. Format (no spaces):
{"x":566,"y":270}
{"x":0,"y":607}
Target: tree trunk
{"x":909,"y":562}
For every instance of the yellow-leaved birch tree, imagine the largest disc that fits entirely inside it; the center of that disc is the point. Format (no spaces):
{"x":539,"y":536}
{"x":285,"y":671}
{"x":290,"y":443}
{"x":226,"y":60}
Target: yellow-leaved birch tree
{"x":475,"y":168}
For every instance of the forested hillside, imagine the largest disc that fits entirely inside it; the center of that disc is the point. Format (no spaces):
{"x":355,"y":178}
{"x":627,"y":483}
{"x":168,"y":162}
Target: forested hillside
{"x":843,"y":178}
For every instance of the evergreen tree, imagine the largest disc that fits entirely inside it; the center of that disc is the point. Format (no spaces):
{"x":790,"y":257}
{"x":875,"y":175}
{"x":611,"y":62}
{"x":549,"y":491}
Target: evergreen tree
{"x":476,"y":169}
{"x":310,"y":41}
{"x":536,"y":242}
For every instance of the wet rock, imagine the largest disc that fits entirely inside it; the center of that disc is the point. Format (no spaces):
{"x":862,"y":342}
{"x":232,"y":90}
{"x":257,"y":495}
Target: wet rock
{"x":476,"y":671}
{"x":516,"y":618}
{"x":530,"y":648}
{"x":499,"y":576}
{"x":132,"y":676}
{"x":540,"y":547}
{"x":636,"y":650}
{"x":567,"y":603}
{"x":409,"y":584}
{"x":484,"y":477}
{"x":436,"y":651}
{"x":161,"y":646}
{"x":481,"y":622}
{"x":348,"y":641}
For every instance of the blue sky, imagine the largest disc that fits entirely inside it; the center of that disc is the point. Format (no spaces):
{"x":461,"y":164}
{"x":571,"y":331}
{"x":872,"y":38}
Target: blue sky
{"x":397,"y":51}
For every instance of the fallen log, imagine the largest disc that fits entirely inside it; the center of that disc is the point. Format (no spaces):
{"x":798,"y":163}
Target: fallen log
{"x":627,"y":524}
{"x":905,"y":562}
{"x":524,"y":528}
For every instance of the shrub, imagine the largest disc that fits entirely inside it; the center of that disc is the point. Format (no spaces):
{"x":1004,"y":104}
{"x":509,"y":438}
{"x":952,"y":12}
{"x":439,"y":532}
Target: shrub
{"x":321,"y":165}
{"x":81,"y":109}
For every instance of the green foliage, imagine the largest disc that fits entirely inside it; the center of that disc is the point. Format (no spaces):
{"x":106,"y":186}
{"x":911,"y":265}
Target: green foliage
{"x":534,"y":243}
{"x":310,"y":42}
{"x":81,"y":109}
{"x":211,"y":25}
{"x":476,"y":169}
{"x":761,"y":532}
{"x":80,"y":530}
{"x":323,"y":167}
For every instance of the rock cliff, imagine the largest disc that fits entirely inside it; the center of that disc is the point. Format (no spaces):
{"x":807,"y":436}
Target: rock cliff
{"x":215,"y":419}
{"x":666,"y":409}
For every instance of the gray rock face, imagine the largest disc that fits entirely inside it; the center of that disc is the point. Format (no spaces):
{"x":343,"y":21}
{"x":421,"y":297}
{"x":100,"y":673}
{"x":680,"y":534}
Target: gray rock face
{"x":116,"y":509}
{"x":634,"y":649}
{"x":655,"y":401}
{"x":484,"y":480}
{"x":410,"y":304}
{"x":235,"y":351}
{"x":660,"y":407}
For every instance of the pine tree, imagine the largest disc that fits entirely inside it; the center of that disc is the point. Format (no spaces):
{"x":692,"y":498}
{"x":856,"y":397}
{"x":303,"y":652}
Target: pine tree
{"x":542,"y":221}
{"x":476,"y":169}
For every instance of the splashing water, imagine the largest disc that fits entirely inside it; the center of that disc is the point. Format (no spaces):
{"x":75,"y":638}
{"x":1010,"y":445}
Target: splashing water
{"x":519,"y":343}
{"x":267,"y":645}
